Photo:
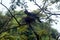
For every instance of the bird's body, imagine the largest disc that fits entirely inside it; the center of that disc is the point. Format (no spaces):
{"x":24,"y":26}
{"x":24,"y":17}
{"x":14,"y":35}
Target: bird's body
{"x":29,"y":20}
{"x":32,"y":15}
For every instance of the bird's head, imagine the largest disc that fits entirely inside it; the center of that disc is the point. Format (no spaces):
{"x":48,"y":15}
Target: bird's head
{"x":25,"y":11}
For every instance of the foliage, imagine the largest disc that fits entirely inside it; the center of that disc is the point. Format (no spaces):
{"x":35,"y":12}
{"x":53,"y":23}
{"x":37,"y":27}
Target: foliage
{"x":23,"y":32}
{"x":15,"y":27}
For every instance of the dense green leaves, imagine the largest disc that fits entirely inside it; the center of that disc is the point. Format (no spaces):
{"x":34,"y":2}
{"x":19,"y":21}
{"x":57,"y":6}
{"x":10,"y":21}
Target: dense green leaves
{"x":24,"y":32}
{"x":10,"y":30}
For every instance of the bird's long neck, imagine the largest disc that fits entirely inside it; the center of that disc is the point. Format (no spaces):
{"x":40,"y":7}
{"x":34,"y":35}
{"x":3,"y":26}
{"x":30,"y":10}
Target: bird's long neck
{"x":27,"y":13}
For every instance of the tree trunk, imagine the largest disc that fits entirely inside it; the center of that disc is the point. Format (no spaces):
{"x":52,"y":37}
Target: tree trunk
{"x":40,"y":37}
{"x":37,"y":36}
{"x":49,"y":37}
{"x":57,"y":37}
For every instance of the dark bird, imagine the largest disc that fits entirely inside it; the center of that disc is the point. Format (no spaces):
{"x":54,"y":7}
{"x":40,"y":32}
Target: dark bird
{"x":32,"y":15}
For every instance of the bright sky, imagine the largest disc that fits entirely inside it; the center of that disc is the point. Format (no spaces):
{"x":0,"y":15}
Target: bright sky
{"x":56,"y":26}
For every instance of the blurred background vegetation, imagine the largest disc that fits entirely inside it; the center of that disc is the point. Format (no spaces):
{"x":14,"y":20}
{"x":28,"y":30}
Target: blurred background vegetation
{"x":13,"y":25}
{"x":23,"y":32}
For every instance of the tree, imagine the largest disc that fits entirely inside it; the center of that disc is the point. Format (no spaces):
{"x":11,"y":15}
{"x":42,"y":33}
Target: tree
{"x":15,"y":24}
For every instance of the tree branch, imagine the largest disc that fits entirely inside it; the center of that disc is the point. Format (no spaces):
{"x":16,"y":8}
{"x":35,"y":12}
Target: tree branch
{"x":45,"y":10}
{"x":8,"y":29}
{"x":37,"y":4}
{"x":37,"y":36}
{"x":11,"y":14}
{"x":4,"y":30}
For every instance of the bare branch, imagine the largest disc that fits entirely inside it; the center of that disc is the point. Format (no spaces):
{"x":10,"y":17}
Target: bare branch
{"x":44,"y":4}
{"x":37,"y":5}
{"x":6,"y":23}
{"x":48,"y":16}
{"x":1,"y":1}
{"x":55,"y":14}
{"x":11,"y":13}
